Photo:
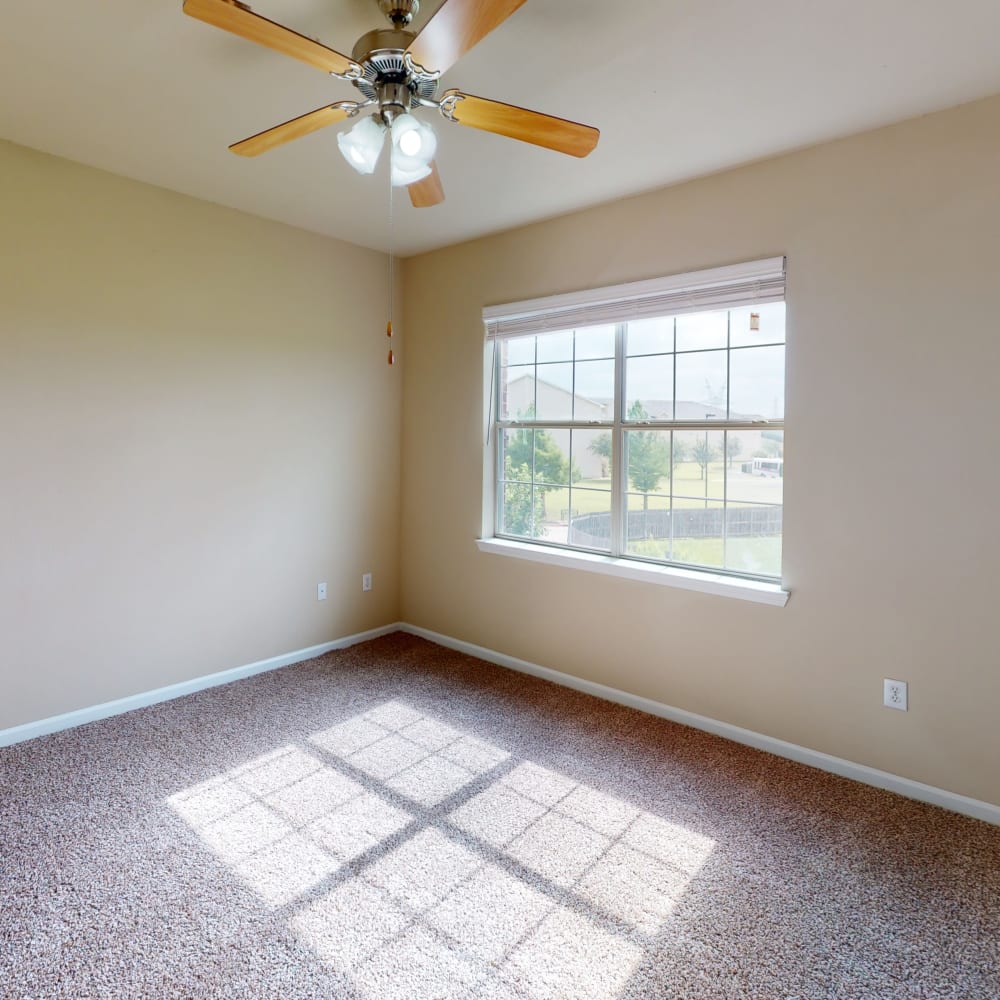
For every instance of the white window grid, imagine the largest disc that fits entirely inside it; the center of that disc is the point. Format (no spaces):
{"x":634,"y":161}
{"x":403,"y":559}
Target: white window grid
{"x":618,"y":427}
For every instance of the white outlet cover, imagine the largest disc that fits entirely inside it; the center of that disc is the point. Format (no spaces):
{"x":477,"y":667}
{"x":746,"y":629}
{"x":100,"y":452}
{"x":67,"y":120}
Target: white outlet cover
{"x":320,"y":591}
{"x":366,"y":581}
{"x":894,"y":694}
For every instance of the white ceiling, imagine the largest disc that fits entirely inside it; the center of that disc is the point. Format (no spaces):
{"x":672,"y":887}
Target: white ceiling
{"x":679,"y":88}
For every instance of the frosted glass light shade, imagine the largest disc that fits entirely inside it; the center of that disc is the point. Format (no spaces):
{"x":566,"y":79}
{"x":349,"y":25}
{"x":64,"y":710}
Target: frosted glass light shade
{"x":362,"y":145}
{"x":402,"y":177}
{"x":413,"y":139}
{"x":413,"y":147}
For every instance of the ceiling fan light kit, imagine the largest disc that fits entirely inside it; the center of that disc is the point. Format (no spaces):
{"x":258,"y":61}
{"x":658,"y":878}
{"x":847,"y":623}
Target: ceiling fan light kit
{"x":387,"y":67}
{"x":400,"y":12}
{"x":413,"y":139}
{"x":413,"y":148}
{"x":362,"y":145}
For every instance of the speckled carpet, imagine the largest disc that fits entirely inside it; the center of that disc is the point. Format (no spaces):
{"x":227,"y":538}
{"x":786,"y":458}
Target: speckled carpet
{"x":400,"y":820}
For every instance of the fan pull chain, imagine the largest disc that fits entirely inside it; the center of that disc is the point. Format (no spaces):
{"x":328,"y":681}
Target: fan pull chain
{"x":388,"y":326}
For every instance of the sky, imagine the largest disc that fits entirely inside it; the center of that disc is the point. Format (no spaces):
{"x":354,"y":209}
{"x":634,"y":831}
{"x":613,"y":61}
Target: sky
{"x":755,"y":386}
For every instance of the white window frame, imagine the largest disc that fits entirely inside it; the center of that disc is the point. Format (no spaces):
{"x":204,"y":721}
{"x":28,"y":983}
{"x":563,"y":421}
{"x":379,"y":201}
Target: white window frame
{"x":754,"y":282}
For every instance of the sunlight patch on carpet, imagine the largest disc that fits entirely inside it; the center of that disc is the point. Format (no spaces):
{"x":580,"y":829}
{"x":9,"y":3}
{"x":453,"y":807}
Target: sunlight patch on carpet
{"x":284,"y":821}
{"x":469,"y":870}
{"x":416,"y":756}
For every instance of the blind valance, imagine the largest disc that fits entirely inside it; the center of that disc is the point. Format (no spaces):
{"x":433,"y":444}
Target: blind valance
{"x":697,"y":291}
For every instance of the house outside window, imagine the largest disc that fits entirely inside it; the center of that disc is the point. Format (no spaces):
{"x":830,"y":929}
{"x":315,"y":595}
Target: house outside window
{"x":644,"y":422}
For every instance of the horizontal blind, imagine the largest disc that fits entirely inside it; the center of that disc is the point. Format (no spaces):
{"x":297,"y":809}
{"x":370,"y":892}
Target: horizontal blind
{"x":697,"y":291}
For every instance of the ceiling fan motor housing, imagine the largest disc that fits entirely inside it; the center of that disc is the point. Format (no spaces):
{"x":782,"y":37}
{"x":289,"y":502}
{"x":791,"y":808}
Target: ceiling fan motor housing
{"x":387,"y":79}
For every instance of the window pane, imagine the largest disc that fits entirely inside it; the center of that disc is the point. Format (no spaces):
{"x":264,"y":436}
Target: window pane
{"x":535,"y":482}
{"x":648,"y":533}
{"x":756,"y":467}
{"x":648,"y":457}
{"x":556,"y":346}
{"x":772,"y":325}
{"x":753,"y":539}
{"x":699,"y":467}
{"x":552,"y":457}
{"x":650,"y":336}
{"x":516,"y":457}
{"x":517,"y":351}
{"x":517,"y":392}
{"x":739,"y":447}
{"x":518,"y":512}
{"x":595,"y":342}
{"x":702,"y":331}
{"x":554,"y":398}
{"x":709,"y":497}
{"x":592,"y":458}
{"x":589,"y":495}
{"x":754,"y":512}
{"x":553,"y":512}
{"x":698,"y":534}
{"x":589,"y":518}
{"x":649,"y":387}
{"x":757,"y":382}
{"x":595,"y":390}
{"x":701,"y":386}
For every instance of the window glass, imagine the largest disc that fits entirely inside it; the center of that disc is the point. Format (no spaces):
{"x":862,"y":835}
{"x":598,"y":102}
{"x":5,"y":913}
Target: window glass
{"x":649,"y":533}
{"x":700,"y":471}
{"x":595,"y":342}
{"x":594,"y":394}
{"x":770,"y":325}
{"x":702,"y":331}
{"x":702,"y":385}
{"x":517,"y":392}
{"x":649,"y":387}
{"x":707,"y":497}
{"x":554,"y":392}
{"x":556,"y":346}
{"x":757,"y":382}
{"x":519,"y":351}
{"x":650,"y":336}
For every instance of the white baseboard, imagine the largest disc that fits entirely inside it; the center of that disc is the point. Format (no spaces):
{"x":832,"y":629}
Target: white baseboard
{"x":57,"y":722}
{"x":825,"y":762}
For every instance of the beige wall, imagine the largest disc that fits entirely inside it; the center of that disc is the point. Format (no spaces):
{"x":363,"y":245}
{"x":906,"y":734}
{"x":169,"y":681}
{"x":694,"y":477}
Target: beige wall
{"x":892,"y":546}
{"x":197,"y":425}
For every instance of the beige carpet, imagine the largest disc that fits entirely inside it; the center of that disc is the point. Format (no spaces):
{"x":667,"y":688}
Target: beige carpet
{"x":399,"y":820}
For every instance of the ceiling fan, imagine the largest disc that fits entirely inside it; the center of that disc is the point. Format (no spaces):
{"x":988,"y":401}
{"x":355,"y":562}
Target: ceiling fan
{"x":396,"y":72}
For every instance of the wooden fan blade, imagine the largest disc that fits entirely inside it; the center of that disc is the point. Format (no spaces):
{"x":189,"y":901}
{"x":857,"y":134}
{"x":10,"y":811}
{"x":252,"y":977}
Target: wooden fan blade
{"x":428,"y":192}
{"x":456,"y":26}
{"x":287,"y":131}
{"x":528,"y":126}
{"x":230,"y":15}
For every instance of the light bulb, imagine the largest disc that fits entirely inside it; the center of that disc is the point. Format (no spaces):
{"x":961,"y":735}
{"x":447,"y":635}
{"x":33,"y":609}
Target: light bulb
{"x":409,"y":142}
{"x":413,"y":144}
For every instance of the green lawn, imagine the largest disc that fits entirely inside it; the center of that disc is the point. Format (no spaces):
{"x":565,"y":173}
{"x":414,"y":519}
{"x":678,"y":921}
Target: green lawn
{"x":688,"y":484}
{"x":751,"y":555}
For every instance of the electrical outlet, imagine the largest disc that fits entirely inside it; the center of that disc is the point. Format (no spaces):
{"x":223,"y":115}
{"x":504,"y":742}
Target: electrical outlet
{"x":320,"y":591}
{"x":894,"y":694}
{"x":366,"y":581}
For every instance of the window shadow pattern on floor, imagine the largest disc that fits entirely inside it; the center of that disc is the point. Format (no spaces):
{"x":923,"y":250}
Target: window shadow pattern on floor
{"x":420,"y":860}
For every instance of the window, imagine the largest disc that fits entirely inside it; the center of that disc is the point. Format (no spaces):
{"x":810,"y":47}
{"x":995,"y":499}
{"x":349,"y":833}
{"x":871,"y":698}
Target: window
{"x":644,"y":422}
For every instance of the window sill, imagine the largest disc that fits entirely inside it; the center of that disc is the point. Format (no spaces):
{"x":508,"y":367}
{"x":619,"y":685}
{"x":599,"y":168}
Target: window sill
{"x":669,"y":576}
